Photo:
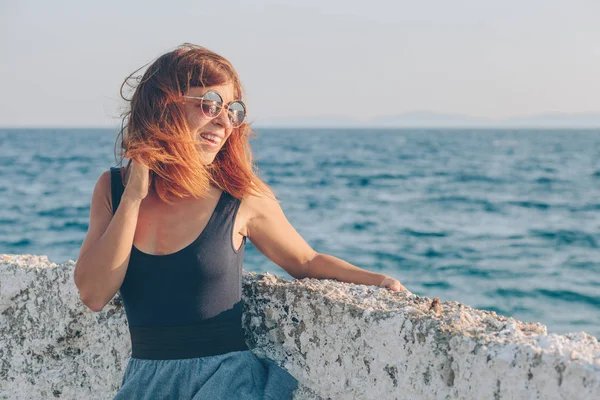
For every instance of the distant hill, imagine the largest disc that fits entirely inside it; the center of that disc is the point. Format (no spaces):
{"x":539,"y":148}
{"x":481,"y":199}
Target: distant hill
{"x":427,"y":119}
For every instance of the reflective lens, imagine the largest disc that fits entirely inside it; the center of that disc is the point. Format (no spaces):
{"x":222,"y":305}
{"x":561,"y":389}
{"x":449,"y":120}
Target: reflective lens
{"x":237,"y":113}
{"x":211,"y":104}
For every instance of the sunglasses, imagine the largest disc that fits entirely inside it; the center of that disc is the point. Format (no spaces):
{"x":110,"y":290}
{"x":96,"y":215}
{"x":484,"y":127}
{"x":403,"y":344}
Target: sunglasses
{"x":211,"y":104}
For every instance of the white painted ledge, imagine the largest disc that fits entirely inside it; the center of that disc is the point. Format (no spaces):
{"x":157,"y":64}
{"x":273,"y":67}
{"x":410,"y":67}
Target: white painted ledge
{"x":341,"y":341}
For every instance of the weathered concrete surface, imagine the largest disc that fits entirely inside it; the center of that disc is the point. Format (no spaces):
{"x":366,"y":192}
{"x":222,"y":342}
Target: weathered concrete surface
{"x":341,"y":341}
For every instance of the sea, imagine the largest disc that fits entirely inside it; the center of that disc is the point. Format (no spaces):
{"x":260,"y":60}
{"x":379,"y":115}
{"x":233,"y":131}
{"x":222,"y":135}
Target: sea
{"x":502,"y":220}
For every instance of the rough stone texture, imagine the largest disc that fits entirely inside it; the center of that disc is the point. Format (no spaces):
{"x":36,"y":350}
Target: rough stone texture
{"x":341,"y":341}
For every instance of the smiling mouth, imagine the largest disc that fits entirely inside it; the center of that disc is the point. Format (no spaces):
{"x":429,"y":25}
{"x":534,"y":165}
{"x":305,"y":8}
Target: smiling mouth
{"x":211,"y":139}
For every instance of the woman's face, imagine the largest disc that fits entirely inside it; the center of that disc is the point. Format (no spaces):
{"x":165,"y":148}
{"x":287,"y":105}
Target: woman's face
{"x":219,"y":128}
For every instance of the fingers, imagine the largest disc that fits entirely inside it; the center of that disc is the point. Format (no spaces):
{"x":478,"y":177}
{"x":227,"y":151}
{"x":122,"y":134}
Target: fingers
{"x":138,"y":179}
{"x":140,"y":163}
{"x":393,"y":285}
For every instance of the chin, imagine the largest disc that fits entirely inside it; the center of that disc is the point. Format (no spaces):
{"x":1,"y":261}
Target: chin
{"x":207,"y":157}
{"x":207,"y":161}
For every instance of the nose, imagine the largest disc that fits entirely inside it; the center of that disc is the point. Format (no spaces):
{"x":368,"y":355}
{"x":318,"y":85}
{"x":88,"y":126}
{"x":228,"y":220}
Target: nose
{"x":222,"y":119}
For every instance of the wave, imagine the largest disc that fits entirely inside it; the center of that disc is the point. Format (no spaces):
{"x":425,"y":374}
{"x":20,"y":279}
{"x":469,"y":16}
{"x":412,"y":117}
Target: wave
{"x":437,"y":285}
{"x":341,"y":163}
{"x":462,"y":270}
{"x":587,"y":207}
{"x":69,"y":225}
{"x":61,"y":159}
{"x":411,"y":232}
{"x":433,"y":253}
{"x":570,"y":296}
{"x":359,"y":226}
{"x":385,"y":256}
{"x":18,"y":243}
{"x":545,"y":180}
{"x":384,"y":179}
{"x":483,"y":204}
{"x":478,"y":178}
{"x":64,"y":212}
{"x":528,"y":204}
{"x":563,"y":295}
{"x":567,"y":237}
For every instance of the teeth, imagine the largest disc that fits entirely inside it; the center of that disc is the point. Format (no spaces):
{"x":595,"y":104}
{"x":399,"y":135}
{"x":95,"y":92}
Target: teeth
{"x":210,"y":137}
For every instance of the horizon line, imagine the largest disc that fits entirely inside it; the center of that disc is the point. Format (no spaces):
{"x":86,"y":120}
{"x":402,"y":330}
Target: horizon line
{"x":325,"y":126}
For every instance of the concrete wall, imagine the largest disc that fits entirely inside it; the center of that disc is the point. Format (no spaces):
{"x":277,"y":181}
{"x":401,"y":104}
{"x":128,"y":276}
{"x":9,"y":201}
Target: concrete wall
{"x":341,"y":341}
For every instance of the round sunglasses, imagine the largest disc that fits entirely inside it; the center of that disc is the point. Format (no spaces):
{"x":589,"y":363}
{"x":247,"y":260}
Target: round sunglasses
{"x":211,"y":104}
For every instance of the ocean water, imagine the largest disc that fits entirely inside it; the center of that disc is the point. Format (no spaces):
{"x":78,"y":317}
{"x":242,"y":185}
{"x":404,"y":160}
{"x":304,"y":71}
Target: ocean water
{"x":503,"y":220}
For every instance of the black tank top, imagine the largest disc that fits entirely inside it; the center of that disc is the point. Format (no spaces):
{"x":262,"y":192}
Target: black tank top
{"x":188,"y":303}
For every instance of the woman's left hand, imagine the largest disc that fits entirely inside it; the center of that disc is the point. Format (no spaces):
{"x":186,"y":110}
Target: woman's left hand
{"x":392,"y":284}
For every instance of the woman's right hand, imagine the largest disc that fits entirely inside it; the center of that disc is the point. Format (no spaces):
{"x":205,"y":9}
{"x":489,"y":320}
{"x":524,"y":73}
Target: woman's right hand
{"x":138,"y":181}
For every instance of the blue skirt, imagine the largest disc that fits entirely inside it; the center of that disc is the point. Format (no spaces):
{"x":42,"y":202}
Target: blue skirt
{"x":237,"y":375}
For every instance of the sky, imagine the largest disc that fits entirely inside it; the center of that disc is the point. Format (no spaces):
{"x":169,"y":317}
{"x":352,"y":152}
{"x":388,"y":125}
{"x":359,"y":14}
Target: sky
{"x":63,"y":61}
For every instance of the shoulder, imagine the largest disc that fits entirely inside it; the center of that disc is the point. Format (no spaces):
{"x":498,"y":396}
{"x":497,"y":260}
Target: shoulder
{"x":102,"y":190}
{"x":256,"y":207}
{"x":260,"y":204}
{"x":104,"y":180}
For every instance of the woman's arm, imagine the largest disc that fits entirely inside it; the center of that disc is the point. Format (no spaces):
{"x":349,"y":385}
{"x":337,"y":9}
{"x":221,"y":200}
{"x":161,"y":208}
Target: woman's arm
{"x":104,"y":254}
{"x":273,"y":235}
{"x":325,"y":266}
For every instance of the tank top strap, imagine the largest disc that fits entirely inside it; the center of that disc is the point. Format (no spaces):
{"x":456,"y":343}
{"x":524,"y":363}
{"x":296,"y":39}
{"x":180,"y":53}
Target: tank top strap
{"x":116,"y":187}
{"x":224,"y":214}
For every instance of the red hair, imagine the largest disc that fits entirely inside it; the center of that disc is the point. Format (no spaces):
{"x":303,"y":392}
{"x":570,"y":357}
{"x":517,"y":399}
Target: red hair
{"x":155,"y":132}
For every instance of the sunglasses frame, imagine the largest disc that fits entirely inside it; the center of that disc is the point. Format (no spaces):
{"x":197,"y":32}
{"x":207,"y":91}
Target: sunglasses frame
{"x":222,"y":107}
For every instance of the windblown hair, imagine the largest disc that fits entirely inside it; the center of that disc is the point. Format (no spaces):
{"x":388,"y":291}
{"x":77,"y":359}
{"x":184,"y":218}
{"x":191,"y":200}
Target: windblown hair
{"x":154,"y":130}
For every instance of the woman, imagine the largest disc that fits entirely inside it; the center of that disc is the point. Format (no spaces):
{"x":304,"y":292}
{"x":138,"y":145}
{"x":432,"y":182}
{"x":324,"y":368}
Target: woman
{"x":191,"y":167}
